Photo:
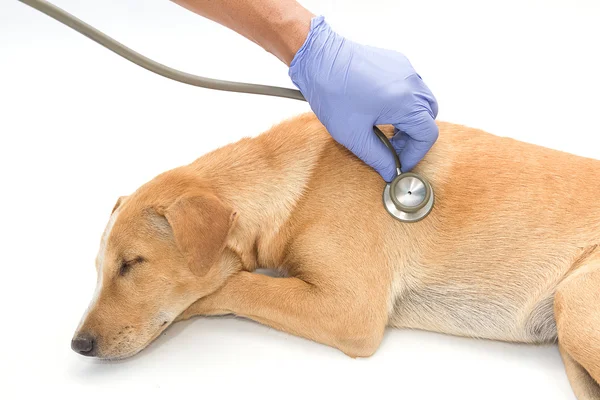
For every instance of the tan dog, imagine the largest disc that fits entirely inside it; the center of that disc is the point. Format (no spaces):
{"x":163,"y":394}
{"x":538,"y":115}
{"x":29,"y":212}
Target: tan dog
{"x":509,"y":252}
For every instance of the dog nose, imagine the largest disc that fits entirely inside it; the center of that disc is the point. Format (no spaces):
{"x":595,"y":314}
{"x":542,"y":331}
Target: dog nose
{"x":84,"y":344}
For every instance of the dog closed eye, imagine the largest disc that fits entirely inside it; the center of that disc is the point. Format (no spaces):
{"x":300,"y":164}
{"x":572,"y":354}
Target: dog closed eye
{"x":126,"y":265}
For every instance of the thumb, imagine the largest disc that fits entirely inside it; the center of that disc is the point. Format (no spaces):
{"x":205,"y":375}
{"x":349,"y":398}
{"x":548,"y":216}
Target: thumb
{"x":369,"y":148}
{"x":421,"y":132}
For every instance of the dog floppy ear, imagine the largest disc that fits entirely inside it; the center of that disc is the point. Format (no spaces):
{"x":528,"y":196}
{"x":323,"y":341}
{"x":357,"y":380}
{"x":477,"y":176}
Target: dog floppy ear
{"x":200,"y":224}
{"x":120,"y":201}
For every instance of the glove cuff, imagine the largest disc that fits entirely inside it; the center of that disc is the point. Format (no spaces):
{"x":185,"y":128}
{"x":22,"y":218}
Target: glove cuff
{"x":317,"y":36}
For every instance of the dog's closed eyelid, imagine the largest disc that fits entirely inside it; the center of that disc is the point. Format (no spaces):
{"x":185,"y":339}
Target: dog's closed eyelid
{"x":126,"y":265}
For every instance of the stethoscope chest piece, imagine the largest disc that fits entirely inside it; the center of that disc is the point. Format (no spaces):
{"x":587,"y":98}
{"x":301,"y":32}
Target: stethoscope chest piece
{"x":409,"y":197}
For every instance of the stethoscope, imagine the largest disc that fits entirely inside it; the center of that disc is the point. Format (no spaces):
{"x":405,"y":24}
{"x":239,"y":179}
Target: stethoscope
{"x":408,"y":197}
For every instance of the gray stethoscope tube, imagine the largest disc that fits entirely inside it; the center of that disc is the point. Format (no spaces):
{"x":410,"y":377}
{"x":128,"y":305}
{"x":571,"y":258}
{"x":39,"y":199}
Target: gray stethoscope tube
{"x":409,"y":197}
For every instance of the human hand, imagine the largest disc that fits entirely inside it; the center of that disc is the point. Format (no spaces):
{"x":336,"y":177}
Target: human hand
{"x":352,"y":87}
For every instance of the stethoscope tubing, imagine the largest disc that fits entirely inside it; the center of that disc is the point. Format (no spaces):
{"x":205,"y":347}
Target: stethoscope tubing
{"x":111,"y":44}
{"x":398,"y":211}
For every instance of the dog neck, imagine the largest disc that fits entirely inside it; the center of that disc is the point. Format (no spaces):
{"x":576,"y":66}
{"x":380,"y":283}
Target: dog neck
{"x":262,"y":179}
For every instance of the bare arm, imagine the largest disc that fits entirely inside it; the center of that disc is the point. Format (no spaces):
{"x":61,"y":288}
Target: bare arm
{"x":278,"y":26}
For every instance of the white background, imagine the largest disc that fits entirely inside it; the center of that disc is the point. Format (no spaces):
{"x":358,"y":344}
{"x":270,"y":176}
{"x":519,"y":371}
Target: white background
{"x":80,"y":126}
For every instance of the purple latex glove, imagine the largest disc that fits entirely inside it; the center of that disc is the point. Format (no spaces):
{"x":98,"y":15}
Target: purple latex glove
{"x":352,"y":87}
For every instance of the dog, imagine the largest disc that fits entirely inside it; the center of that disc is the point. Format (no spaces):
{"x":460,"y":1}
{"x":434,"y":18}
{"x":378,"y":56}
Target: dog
{"x":509,"y":252}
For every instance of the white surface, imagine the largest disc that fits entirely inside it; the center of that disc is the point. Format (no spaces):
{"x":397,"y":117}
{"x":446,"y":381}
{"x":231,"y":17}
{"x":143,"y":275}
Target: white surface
{"x":80,"y":126}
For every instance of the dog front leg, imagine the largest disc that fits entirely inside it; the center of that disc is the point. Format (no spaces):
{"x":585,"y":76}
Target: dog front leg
{"x":332,"y":317}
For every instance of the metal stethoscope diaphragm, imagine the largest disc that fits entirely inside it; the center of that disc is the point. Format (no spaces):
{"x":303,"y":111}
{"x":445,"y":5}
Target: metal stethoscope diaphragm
{"x":408,"y":197}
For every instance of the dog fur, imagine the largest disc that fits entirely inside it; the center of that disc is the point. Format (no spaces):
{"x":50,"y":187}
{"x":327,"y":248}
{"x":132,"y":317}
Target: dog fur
{"x":509,"y":252}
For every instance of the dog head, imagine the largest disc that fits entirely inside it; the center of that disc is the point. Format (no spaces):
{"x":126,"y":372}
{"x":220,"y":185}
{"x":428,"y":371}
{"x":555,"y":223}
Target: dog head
{"x":163,"y":249}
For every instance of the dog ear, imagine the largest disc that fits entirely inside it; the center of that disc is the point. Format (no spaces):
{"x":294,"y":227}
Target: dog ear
{"x":201,"y":225}
{"x":120,"y":201}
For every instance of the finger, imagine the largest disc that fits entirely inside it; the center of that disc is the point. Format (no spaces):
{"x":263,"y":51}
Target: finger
{"x":430,"y":99}
{"x":399,"y":140}
{"x":369,"y":148}
{"x":421,"y":91}
{"x":421,"y":133}
{"x":434,"y":106}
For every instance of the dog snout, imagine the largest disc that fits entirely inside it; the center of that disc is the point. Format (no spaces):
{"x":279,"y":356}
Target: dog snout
{"x":84,"y":344}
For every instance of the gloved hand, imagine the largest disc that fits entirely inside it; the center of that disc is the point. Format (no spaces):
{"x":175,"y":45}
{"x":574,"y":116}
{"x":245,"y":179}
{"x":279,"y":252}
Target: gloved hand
{"x":352,"y":87}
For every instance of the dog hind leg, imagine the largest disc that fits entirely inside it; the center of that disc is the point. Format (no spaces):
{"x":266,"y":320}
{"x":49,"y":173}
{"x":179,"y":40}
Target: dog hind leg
{"x":584,"y":386}
{"x":577,"y":313}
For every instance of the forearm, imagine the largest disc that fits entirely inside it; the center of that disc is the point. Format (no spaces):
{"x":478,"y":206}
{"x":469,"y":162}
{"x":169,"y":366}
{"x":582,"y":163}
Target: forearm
{"x":278,"y":26}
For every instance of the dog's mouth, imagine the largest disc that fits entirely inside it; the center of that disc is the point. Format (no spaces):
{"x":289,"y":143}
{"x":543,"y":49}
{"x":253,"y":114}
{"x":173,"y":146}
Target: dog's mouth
{"x":163,"y":326}
{"x":112,"y":355}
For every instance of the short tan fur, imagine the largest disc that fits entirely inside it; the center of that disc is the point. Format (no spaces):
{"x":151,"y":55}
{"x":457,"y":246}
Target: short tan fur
{"x":509,"y":252}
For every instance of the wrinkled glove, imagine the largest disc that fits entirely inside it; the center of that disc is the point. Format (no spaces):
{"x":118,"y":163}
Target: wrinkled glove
{"x":352,"y":87}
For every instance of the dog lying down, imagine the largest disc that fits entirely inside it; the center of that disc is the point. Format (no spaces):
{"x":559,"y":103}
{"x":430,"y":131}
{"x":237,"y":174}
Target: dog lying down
{"x":509,"y":252}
